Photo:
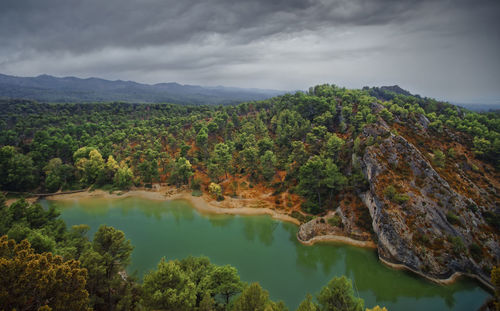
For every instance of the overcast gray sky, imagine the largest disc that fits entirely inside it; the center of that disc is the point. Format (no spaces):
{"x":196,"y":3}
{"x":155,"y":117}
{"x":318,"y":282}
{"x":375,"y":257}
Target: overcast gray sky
{"x":444,"y":49}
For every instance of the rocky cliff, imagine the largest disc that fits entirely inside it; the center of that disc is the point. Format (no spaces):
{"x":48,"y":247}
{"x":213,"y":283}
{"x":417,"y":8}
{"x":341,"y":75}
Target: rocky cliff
{"x":420,"y":220}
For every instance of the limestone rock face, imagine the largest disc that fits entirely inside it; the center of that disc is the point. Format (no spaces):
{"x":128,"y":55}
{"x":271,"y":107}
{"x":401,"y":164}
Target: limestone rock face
{"x":318,"y":227}
{"x":433,"y":230}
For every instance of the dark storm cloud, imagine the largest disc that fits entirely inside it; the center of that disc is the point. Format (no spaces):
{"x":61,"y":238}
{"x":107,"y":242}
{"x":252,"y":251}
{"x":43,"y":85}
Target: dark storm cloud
{"x":79,"y":26}
{"x":442,"y":48}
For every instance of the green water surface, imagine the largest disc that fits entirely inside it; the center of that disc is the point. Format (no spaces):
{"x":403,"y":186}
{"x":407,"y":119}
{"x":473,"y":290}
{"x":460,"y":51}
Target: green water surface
{"x":263,"y":250}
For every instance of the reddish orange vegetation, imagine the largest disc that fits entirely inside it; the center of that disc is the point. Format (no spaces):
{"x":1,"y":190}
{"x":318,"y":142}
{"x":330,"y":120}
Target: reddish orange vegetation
{"x":240,"y":186}
{"x":484,"y":177}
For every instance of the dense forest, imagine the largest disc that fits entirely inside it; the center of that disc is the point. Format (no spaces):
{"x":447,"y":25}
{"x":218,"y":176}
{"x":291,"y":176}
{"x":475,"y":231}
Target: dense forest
{"x":308,"y":149}
{"x":305,"y":143}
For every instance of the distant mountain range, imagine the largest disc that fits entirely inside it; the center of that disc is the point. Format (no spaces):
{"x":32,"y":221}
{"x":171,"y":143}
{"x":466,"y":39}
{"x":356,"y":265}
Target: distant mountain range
{"x":47,"y":88}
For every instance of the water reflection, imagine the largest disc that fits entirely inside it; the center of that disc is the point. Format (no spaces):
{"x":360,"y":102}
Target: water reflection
{"x":263,"y":250}
{"x":263,"y":231}
{"x":221,"y":221}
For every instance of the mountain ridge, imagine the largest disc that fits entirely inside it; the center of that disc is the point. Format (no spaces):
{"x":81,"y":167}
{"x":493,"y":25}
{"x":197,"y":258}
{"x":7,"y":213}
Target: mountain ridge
{"x":47,"y":88}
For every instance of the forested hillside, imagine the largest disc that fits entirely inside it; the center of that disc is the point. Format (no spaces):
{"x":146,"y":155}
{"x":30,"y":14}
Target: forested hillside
{"x":417,"y":176}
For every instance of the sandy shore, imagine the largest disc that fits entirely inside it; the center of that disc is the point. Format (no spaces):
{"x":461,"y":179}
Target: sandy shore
{"x":231,"y":206}
{"x":339,"y":239}
{"x":206,"y":204}
{"x":203,"y":204}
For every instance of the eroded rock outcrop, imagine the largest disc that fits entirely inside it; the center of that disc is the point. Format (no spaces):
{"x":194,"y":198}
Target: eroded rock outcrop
{"x":426,"y":225}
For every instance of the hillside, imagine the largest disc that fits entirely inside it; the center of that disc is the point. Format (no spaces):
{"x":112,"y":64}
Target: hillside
{"x":418,"y":177}
{"x":47,"y":88}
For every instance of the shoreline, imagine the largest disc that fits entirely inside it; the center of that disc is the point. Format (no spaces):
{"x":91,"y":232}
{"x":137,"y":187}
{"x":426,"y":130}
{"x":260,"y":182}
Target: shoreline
{"x":205,"y":204}
{"x":338,"y":239}
{"x":450,"y":280}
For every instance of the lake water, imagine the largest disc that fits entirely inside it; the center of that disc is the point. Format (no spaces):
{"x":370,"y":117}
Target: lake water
{"x":263,"y":250}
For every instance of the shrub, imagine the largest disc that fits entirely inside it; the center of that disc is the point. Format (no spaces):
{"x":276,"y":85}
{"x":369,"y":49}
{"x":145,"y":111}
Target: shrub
{"x":452,"y":218}
{"x":301,"y":217}
{"x":216,"y":191}
{"x":457,"y":244}
{"x":475,"y":251}
{"x":391,"y":193}
{"x":197,"y":193}
{"x":472,"y":207}
{"x":452,"y":153}
{"x":335,"y":221}
{"x":196,"y":184}
{"x":310,"y":207}
{"x":493,"y":219}
{"x":439,"y":158}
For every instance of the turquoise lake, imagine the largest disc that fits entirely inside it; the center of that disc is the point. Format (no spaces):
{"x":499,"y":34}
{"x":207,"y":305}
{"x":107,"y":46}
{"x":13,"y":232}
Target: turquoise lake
{"x":263,"y":250}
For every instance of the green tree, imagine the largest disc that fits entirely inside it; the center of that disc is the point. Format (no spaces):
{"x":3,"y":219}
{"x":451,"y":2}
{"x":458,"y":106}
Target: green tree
{"x":333,"y":146}
{"x":222,"y":156}
{"x":318,"y":177}
{"x":181,"y":172}
{"x":202,"y":141}
{"x":338,"y":295}
{"x":254,"y":298}
{"x":16,"y":170}
{"x":250,"y":160}
{"x":439,"y":158}
{"x":310,"y":183}
{"x":91,"y":168}
{"x":308,"y":304}
{"x":207,"y":303}
{"x":148,"y":168}
{"x":220,"y":161}
{"x":57,"y":174}
{"x":225,"y":281}
{"x":113,"y":253}
{"x":386,"y":115}
{"x":33,"y":281}
{"x":215,"y":190}
{"x":97,"y":282}
{"x":169,"y":288}
{"x":297,"y":157}
{"x":268,"y":165}
{"x":199,"y":269}
{"x":124,"y":176}
{"x":111,"y":168}
{"x":333,"y":179}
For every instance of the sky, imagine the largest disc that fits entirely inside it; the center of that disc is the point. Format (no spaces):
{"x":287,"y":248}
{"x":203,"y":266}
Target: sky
{"x":446,"y":49}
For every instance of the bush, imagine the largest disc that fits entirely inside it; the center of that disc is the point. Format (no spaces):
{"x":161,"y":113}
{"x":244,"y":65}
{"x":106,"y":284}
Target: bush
{"x":475,"y":251}
{"x":457,"y":244}
{"x":301,"y":217}
{"x":453,"y":218}
{"x":310,"y":207}
{"x":335,"y":221}
{"x":216,"y":191}
{"x":493,"y":219}
{"x":197,"y":193}
{"x":439,"y":158}
{"x":196,"y":184}
{"x":472,"y":207}
{"x":391,"y":193}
